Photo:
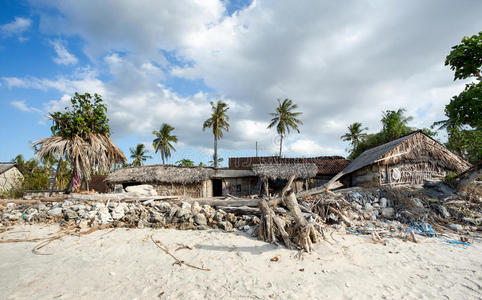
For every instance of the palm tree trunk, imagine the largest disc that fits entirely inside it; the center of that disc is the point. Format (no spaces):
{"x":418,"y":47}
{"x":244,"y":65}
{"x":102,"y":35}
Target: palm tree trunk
{"x":215,"y":151}
{"x":280,"y":145}
{"x":162,"y":156}
{"x":54,"y":186}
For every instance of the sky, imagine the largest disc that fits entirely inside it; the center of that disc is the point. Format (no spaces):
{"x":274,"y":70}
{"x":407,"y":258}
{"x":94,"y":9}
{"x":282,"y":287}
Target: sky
{"x":157,"y":62}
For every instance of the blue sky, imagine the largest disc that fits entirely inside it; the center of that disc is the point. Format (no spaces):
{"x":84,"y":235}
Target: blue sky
{"x":159,"y":62}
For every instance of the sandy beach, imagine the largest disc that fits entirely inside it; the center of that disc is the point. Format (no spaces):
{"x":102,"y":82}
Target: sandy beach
{"x":126,"y":264}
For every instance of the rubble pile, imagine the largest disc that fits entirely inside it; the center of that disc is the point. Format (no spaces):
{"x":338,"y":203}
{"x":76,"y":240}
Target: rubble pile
{"x":149,"y":213}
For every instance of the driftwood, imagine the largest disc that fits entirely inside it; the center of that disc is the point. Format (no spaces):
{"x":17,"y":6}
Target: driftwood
{"x":298,"y":233}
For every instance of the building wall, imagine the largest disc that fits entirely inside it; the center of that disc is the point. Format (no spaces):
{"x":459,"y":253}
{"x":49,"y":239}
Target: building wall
{"x":239,"y":187}
{"x":397,"y":174}
{"x":10,"y":178}
{"x":194,"y":190}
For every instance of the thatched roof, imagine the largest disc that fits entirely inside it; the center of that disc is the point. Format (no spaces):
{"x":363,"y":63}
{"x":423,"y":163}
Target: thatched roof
{"x":327,"y":165}
{"x":160,"y":174}
{"x":414,"y":147}
{"x":284,"y":171}
{"x":6,"y":166}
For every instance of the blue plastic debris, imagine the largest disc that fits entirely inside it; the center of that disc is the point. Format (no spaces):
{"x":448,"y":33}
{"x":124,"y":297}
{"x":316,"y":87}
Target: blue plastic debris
{"x":455,"y":242}
{"x":422,"y":228}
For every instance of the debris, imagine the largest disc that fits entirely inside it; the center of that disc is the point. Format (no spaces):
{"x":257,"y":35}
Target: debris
{"x":178,"y":261}
{"x":276,"y":258}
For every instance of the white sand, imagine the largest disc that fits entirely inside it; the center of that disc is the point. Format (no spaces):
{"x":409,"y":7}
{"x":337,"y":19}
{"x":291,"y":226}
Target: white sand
{"x":125,"y":264}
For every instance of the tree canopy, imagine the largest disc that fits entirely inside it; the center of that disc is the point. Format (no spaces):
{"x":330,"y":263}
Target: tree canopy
{"x":463,"y":123}
{"x":164,"y":141}
{"x":218,"y":122}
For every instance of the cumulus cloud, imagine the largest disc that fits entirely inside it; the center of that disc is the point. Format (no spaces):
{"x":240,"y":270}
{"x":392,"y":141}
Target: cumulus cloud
{"x":64,"y":57}
{"x":340,"y":62}
{"x":16,"y":27}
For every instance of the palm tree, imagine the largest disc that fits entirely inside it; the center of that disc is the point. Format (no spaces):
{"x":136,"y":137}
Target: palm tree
{"x":139,"y":154}
{"x":355,"y":134}
{"x":395,"y":124}
{"x":81,"y":136}
{"x":218,"y":121}
{"x":285,"y":119}
{"x":163,"y":141}
{"x":211,"y":162}
{"x":185,"y":162}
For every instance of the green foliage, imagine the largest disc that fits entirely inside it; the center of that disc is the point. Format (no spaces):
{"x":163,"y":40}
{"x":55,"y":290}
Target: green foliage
{"x":394,"y":125}
{"x":466,"y":58}
{"x":355,"y":134}
{"x":164,"y":141}
{"x":36,"y":175}
{"x":219,"y":162}
{"x":185,"y":163}
{"x":466,"y":108}
{"x":218,"y":120}
{"x":139,"y":155}
{"x":285,"y":119}
{"x":450,"y":179}
{"x":87,"y":114}
{"x":464,"y":124}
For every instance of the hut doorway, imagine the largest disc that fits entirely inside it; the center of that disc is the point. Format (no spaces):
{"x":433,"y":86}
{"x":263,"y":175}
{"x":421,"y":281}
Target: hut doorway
{"x":217,"y":187}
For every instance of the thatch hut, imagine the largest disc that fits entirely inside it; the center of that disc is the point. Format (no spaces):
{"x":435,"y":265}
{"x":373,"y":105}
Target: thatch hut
{"x":408,"y":160}
{"x":275,"y":175}
{"x":167,"y":179}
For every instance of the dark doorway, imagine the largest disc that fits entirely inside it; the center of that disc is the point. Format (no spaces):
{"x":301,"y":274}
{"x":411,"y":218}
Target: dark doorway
{"x":217,"y":187}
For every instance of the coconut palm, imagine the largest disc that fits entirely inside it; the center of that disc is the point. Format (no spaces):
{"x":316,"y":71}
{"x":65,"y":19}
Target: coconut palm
{"x":139,"y":155}
{"x":81,"y":136}
{"x":185,"y":162}
{"x":355,"y":134}
{"x":395,"y":124}
{"x":218,"y":121}
{"x":285,"y":120}
{"x":164,"y":141}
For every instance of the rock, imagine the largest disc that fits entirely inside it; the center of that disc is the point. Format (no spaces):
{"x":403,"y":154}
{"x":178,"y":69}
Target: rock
{"x":141,"y":190}
{"x":246,"y":227}
{"x":83,"y":224}
{"x":219,"y":216}
{"x":104,"y":216}
{"x":157,"y":218}
{"x":231,"y":217}
{"x":98,"y":205}
{"x":10,"y":206}
{"x":186,"y":226}
{"x":70,"y":214}
{"x":183,"y":213}
{"x":118,"y":213}
{"x":376,"y":205}
{"x":368,"y":206}
{"x":164,"y":206}
{"x":388,"y":212}
{"x":14,"y":216}
{"x":443,"y":211}
{"x":428,"y":183}
{"x":256,"y":220}
{"x":456,"y":227}
{"x":41,"y":207}
{"x":383,"y":202}
{"x":67,"y":203}
{"x":240,"y":224}
{"x":77,"y":207}
{"x":141,"y":224}
{"x":226,"y":225}
{"x":195,"y":208}
{"x":356,"y":206}
{"x":55,"y":212}
{"x":186,"y":206}
{"x":200,"y":219}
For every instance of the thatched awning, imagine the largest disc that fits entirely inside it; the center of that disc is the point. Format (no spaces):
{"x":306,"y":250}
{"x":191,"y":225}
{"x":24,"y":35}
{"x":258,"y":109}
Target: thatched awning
{"x":160,"y":174}
{"x":284,"y":171}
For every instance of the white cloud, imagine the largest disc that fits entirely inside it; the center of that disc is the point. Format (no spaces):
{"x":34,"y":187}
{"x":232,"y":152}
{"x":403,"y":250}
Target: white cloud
{"x":21,"y":105}
{"x":341,"y":62}
{"x":64,"y":57}
{"x":16,"y":27}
